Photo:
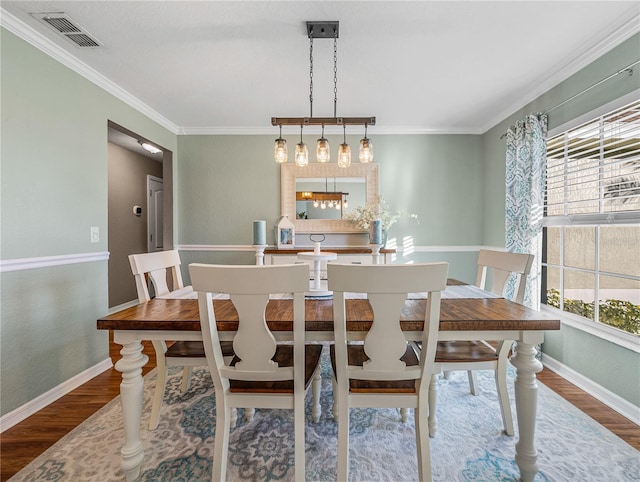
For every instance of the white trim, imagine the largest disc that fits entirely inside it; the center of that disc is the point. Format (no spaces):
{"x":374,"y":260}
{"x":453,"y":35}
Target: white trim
{"x":610,"y":399}
{"x":47,"y":261}
{"x":21,"y":413}
{"x":601,"y":330}
{"x":415,"y":249}
{"x":270,"y":130}
{"x":123,"y":306}
{"x":627,"y":25}
{"x":42,"y":43}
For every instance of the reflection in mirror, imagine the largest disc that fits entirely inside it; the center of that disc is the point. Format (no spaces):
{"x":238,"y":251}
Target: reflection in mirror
{"x":318,"y":198}
{"x":359,"y":180}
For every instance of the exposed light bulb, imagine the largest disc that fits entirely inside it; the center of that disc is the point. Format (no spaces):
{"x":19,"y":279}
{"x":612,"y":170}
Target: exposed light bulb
{"x":280,"y":151}
{"x":366,"y":150}
{"x":322,"y":150}
{"x":344,"y":155}
{"x":302,"y":155}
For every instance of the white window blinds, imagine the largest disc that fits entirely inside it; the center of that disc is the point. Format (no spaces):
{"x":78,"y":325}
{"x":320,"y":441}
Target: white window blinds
{"x":593,"y":170}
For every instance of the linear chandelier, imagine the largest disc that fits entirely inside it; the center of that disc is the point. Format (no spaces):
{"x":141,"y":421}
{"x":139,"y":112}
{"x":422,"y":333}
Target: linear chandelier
{"x":319,"y":30}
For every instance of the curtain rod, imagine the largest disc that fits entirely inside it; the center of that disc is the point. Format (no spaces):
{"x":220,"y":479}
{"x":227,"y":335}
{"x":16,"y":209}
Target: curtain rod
{"x":628,"y":68}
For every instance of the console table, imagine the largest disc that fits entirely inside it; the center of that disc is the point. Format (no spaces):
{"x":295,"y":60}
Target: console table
{"x":358,"y":254}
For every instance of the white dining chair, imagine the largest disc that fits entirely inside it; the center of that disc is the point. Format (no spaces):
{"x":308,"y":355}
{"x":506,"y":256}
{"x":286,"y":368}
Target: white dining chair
{"x":264,"y":373}
{"x":385,"y":370}
{"x":481,"y":354}
{"x":156,"y":268}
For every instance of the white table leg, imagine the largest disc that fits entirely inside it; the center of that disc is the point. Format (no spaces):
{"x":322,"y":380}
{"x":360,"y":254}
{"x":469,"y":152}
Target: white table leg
{"x":131,"y":392}
{"x":526,"y":391}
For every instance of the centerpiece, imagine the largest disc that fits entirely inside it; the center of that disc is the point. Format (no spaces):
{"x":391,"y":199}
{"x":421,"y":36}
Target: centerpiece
{"x":364,"y":217}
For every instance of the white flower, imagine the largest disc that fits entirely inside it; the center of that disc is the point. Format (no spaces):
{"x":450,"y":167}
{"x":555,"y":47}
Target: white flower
{"x":362,"y":216}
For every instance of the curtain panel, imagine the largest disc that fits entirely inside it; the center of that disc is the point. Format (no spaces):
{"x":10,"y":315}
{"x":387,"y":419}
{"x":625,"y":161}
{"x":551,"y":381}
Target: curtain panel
{"x":524,"y":204}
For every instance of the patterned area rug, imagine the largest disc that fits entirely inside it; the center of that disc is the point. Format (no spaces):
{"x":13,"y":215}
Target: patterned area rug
{"x":469,"y":445}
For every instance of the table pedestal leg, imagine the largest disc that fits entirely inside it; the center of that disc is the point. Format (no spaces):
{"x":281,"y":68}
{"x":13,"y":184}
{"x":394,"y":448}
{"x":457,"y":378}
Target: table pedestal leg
{"x":316,"y":275}
{"x":526,"y":391}
{"x":131,"y":388}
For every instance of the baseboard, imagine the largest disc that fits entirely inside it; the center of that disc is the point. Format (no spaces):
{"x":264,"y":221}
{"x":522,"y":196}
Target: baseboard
{"x":19,"y":414}
{"x":613,"y":401}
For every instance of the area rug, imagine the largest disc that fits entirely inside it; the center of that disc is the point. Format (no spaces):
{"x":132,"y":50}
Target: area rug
{"x":469,"y":445}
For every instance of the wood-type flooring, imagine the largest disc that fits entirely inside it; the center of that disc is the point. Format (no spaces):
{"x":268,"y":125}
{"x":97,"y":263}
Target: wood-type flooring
{"x":23,"y":442}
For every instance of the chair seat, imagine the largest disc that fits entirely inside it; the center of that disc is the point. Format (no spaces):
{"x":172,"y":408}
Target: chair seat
{"x":195,"y":349}
{"x":284,"y":358}
{"x":357,"y":357}
{"x":463,"y":352}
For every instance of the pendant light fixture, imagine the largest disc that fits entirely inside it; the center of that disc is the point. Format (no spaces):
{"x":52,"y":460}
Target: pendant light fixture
{"x":322,"y":149}
{"x":280,"y":153}
{"x":366,"y":148}
{"x":344,"y":152}
{"x":302,"y":153}
{"x":319,"y":30}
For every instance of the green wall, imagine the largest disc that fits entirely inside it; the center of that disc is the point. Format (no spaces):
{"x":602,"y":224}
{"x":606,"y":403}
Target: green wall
{"x":226,"y":182}
{"x":610,"y":365}
{"x":53,"y":189}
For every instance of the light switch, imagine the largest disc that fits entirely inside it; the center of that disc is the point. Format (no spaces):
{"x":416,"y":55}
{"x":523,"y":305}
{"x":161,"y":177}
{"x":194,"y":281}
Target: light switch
{"x":95,"y":234}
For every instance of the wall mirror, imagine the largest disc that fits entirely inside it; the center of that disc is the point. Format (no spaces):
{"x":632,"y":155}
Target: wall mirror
{"x":360,"y":181}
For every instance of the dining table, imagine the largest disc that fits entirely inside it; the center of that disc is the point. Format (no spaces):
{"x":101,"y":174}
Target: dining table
{"x":466,"y":313}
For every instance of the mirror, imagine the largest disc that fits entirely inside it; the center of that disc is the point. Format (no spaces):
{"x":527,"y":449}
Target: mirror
{"x":359,"y":180}
{"x":328,"y":198}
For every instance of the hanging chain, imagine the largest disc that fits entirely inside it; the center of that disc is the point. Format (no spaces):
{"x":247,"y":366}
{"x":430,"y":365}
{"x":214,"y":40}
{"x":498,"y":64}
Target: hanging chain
{"x":311,"y":74}
{"x":335,"y":72}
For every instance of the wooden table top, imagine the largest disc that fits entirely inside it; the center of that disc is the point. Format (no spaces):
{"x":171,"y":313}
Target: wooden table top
{"x":494,"y":314}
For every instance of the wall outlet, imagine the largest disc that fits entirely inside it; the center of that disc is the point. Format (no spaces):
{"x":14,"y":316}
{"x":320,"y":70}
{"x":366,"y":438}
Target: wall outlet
{"x":95,"y":234}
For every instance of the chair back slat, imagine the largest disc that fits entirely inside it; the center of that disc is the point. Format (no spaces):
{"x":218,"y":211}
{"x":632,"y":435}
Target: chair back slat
{"x":387,"y":287}
{"x":249,"y":288}
{"x":155,"y":266}
{"x":502,"y":265}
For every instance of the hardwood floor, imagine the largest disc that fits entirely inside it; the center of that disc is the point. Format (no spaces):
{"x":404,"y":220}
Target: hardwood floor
{"x":20,"y":444}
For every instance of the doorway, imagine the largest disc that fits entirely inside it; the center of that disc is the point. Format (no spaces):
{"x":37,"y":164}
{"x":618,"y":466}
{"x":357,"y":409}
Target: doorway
{"x":140,"y":207}
{"x":154,"y":214}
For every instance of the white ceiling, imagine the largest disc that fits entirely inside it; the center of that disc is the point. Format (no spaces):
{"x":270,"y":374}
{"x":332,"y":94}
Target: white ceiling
{"x":418,"y":66}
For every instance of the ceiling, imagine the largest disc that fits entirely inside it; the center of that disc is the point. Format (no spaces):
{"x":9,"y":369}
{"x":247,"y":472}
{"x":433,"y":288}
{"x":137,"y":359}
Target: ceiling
{"x":419,"y":66}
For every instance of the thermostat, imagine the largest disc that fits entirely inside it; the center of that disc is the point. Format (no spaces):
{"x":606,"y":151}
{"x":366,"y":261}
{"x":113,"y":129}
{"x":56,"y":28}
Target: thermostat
{"x":137,"y":210}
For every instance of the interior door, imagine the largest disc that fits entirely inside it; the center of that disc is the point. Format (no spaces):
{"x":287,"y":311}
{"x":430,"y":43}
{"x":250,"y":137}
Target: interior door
{"x":154,"y":214}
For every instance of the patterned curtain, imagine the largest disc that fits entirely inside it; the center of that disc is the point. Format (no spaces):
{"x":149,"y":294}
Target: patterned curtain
{"x":525,"y":183}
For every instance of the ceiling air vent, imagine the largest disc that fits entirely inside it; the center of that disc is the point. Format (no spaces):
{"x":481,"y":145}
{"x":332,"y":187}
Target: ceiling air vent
{"x":65,"y":26}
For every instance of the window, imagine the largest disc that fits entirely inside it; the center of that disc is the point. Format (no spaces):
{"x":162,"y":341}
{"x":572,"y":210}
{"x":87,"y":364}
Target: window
{"x":591,"y":255}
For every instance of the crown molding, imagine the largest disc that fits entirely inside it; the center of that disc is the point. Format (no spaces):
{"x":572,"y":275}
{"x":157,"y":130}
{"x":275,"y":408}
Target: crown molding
{"x":626,"y":26}
{"x":271,"y":131}
{"x":42,"y":43}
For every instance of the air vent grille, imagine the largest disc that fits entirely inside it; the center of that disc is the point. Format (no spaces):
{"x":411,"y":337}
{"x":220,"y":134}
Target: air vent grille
{"x":83,"y":40}
{"x":62,"y":25}
{"x":65,"y":26}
